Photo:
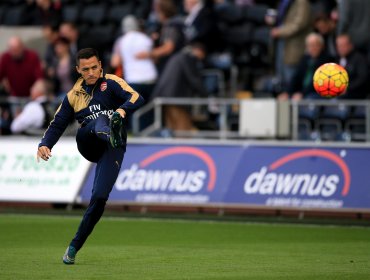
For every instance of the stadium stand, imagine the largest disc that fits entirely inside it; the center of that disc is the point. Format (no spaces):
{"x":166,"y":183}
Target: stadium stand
{"x":243,"y":61}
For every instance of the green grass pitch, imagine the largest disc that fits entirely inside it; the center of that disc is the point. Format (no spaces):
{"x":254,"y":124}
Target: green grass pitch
{"x":31,"y":247}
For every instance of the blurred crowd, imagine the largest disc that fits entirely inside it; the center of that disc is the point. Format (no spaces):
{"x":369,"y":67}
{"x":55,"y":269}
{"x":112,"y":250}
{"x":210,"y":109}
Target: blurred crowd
{"x":161,"y":47}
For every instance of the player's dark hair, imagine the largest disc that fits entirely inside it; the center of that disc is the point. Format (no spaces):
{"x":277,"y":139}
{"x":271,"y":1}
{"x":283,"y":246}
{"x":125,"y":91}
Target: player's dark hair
{"x":86,"y":54}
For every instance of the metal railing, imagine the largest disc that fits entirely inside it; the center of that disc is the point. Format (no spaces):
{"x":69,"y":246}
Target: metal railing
{"x":157,"y":105}
{"x":223,"y":105}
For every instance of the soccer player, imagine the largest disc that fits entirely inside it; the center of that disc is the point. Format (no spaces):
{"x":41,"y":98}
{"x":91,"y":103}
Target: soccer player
{"x":99,"y":102}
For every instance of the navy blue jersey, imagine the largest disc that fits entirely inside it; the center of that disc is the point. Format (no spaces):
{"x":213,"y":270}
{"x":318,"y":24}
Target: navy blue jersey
{"x":86,"y":102}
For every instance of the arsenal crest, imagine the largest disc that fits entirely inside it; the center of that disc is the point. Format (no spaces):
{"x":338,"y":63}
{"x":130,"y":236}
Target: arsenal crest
{"x":103,"y":86}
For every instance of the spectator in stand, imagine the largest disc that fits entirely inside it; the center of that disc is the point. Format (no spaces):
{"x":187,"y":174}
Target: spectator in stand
{"x":69,"y":30}
{"x":170,"y":38}
{"x":141,"y":74}
{"x":355,"y":64}
{"x":301,"y":85}
{"x":199,"y":24}
{"x":51,"y":34}
{"x":354,"y":20}
{"x":181,"y":78}
{"x":326,"y":26}
{"x":293,"y":23}
{"x":63,"y":71}
{"x":142,"y":8}
{"x":35,"y":115}
{"x":20,"y":67}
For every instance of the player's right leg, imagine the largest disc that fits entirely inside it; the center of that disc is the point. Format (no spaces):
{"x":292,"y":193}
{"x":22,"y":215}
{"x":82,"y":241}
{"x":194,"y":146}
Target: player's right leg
{"x":110,"y":130}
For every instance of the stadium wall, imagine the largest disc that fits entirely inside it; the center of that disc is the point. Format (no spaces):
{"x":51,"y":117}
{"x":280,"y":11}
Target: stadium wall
{"x":198,"y":173}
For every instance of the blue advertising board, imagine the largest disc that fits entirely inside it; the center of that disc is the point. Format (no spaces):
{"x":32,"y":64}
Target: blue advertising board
{"x":302,"y":177}
{"x":173,"y":174}
{"x":275,"y":176}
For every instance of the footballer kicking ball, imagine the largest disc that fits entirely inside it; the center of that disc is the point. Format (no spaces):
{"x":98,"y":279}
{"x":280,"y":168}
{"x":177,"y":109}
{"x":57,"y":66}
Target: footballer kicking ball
{"x":330,"y":80}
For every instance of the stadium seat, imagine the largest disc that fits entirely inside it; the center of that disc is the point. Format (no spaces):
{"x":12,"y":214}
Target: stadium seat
{"x":329,"y":129}
{"x":3,"y":9}
{"x":14,"y":16}
{"x":117,"y":12}
{"x":304,"y":129}
{"x":357,"y":129}
{"x":106,"y":35}
{"x":359,"y":112}
{"x":71,"y":13}
{"x":309,"y":112}
{"x":355,"y":125}
{"x":13,"y":2}
{"x":214,"y":82}
{"x":339,"y":111}
{"x":93,"y":14}
{"x":331,"y":122}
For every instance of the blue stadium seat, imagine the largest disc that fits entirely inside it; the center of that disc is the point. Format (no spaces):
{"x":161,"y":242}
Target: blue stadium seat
{"x":14,"y":15}
{"x":71,"y":13}
{"x":93,"y":14}
{"x":356,"y":124}
{"x":3,"y":9}
{"x":329,"y":129}
{"x":339,"y":111}
{"x":309,"y":112}
{"x":117,"y":12}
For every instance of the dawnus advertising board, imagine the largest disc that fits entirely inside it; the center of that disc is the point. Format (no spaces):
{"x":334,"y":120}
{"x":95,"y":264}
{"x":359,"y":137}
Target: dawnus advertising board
{"x":275,"y":176}
{"x":302,"y":177}
{"x":173,"y":174}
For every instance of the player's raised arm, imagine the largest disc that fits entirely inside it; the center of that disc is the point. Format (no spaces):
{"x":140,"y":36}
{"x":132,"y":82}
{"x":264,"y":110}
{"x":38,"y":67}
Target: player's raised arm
{"x":132,"y":99}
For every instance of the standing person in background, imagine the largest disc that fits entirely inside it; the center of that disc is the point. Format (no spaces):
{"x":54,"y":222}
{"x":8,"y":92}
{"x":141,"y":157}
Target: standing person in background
{"x":354,"y":20}
{"x":141,"y":74}
{"x":326,"y":27}
{"x":20,"y":68}
{"x":99,"y":102}
{"x":50,"y":32}
{"x":62,"y":72}
{"x":35,"y":115}
{"x":171,"y":38}
{"x":293,"y":23}
{"x":200,"y":25}
{"x":181,"y":77}
{"x":70,"y":31}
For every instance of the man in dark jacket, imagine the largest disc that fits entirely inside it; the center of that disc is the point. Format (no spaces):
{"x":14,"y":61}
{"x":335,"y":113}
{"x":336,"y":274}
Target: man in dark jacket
{"x":355,"y":64}
{"x":301,"y":85}
{"x":181,"y":77}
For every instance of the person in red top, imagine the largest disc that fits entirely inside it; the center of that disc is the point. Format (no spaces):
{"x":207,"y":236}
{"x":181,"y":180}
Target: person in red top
{"x":20,"y":68}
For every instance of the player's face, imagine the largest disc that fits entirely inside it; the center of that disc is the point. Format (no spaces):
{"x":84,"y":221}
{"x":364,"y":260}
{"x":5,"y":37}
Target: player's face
{"x":90,"y":69}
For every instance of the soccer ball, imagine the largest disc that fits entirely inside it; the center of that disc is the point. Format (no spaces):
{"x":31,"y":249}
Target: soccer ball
{"x":330,"y":80}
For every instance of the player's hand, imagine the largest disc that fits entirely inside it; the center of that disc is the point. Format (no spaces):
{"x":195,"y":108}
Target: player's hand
{"x":121,"y":112}
{"x":44,"y":153}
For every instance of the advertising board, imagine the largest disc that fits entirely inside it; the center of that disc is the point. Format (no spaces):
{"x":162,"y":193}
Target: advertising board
{"x":22,"y":178}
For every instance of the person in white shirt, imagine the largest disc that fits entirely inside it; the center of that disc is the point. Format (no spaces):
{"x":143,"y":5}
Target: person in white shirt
{"x":34,"y":114}
{"x":140,"y":73}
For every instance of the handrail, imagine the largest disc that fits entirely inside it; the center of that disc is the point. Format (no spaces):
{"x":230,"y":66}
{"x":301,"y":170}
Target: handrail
{"x":222,"y":104}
